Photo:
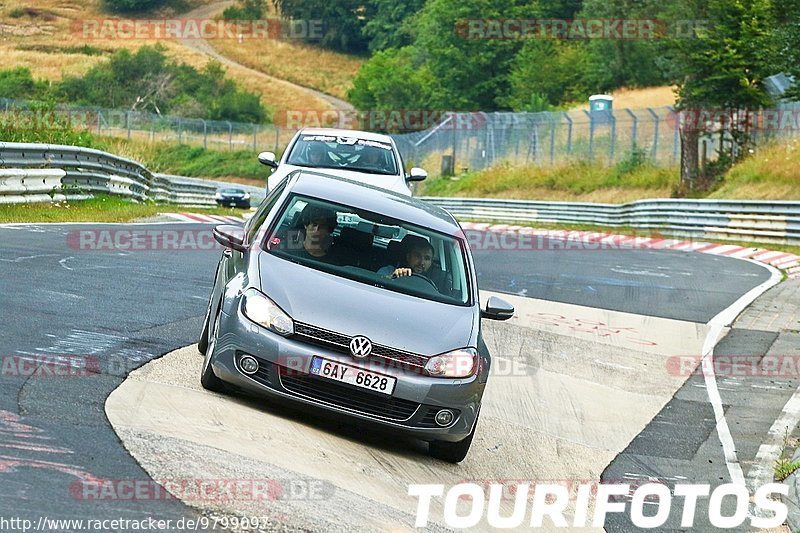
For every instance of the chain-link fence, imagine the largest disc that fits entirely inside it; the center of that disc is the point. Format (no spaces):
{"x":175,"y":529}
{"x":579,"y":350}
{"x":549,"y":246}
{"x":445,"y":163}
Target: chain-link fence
{"x":212,"y":134}
{"x":460,"y":142}
{"x":476,"y":141}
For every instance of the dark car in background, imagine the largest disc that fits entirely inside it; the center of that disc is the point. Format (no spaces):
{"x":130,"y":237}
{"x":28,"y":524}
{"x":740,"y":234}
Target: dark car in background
{"x":405,"y":353}
{"x":233,"y":197}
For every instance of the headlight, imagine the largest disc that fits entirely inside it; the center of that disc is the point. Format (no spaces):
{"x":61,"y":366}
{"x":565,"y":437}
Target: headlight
{"x":218,"y":196}
{"x":456,"y":364}
{"x":263,"y":311}
{"x":246,"y":196}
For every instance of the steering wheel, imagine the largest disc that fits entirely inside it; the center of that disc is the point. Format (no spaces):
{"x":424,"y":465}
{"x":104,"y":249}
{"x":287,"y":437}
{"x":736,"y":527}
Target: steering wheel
{"x":426,"y":278}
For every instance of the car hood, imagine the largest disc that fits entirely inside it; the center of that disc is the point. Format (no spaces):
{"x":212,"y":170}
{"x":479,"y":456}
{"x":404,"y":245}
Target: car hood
{"x":393,"y":183}
{"x":352,"y":308}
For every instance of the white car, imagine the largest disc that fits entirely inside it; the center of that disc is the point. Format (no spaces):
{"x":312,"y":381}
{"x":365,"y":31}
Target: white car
{"x":369,"y":158}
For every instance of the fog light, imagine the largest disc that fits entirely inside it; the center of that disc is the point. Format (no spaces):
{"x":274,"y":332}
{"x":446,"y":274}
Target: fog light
{"x":249,"y":365}
{"x":444,"y":417}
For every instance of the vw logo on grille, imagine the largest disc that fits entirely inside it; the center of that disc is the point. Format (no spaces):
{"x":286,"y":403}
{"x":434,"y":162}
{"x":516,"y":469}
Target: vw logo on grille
{"x":360,"y":346}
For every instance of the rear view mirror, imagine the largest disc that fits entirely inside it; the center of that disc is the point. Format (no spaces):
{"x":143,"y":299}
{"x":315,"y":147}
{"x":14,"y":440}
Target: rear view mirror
{"x":417,"y":174}
{"x":230,"y":236}
{"x":497,"y":309}
{"x":268,"y":158}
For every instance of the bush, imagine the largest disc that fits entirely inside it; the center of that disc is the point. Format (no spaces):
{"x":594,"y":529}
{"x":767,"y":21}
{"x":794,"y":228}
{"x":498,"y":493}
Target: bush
{"x":126,"y":6}
{"x":18,"y":83}
{"x":248,"y":10}
{"x":148,"y":81}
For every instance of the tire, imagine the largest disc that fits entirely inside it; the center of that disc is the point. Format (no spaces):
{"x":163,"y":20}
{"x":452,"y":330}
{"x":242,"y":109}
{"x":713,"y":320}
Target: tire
{"x":208,"y":379}
{"x":452,"y":452}
{"x":202,"y":342}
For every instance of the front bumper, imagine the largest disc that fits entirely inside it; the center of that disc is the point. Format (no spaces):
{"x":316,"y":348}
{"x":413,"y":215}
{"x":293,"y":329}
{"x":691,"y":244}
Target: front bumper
{"x":232,"y":202}
{"x":284,"y":373}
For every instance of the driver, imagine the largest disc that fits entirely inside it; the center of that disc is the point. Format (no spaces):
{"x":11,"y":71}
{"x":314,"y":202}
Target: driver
{"x":418,"y":258}
{"x":316,"y":153}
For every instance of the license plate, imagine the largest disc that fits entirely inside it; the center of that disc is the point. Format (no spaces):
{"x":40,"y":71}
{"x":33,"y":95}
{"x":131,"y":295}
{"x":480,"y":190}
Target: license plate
{"x":352,"y":375}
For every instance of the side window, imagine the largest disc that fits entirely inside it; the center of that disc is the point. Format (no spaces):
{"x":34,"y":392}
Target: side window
{"x":254,"y":224}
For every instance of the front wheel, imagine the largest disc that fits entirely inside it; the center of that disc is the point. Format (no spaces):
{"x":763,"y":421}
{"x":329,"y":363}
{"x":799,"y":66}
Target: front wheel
{"x":208,"y":379}
{"x":452,"y":452}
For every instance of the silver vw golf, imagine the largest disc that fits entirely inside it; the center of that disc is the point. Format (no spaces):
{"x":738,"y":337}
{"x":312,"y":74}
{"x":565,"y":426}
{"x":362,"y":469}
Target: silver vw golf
{"x":357,"y":301}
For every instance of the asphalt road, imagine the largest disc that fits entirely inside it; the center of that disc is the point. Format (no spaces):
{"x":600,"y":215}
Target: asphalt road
{"x":118,"y":310}
{"x":663,"y":283}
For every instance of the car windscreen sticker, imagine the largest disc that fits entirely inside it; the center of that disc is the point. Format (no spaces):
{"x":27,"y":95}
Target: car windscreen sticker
{"x":375,"y":144}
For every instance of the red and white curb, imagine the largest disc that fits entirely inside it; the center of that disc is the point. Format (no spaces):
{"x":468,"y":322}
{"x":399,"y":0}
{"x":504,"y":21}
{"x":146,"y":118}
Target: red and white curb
{"x":209,"y":219}
{"x":788,"y":262}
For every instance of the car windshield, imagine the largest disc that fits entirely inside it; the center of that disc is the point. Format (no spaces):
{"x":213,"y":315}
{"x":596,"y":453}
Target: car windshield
{"x":372,"y":249}
{"x":350,"y":153}
{"x":231,"y":191}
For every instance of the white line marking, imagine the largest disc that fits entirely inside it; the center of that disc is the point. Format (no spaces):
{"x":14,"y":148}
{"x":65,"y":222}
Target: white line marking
{"x":717,"y":324}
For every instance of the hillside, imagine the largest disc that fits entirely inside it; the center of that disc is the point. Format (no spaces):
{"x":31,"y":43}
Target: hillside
{"x":52,"y":41}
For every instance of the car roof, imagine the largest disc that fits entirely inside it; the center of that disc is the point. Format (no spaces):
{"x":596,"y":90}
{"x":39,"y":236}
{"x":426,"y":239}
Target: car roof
{"x":366,"y":135}
{"x":374,"y":199}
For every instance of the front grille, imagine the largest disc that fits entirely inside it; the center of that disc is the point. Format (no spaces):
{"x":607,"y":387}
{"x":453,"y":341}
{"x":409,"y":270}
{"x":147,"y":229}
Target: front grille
{"x":348,"y":397}
{"x":341,"y":343}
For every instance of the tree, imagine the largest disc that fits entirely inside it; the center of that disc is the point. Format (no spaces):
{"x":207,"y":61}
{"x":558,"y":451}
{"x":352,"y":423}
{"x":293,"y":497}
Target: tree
{"x":393,"y":79}
{"x":721,"y":69}
{"x":471,"y":73}
{"x":389,"y":27}
{"x":549,"y":69}
{"x":342,"y":20}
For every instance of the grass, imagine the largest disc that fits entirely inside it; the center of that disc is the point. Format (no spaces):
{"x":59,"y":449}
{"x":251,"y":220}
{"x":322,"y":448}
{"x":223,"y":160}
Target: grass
{"x":640,"y":98}
{"x":784,"y":467}
{"x":317,"y":68}
{"x":192,"y":161}
{"x":769,"y":174}
{"x":101,"y":208}
{"x":579,"y":181}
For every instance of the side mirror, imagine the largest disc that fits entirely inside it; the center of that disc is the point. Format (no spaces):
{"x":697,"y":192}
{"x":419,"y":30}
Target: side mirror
{"x":268,"y":158}
{"x":417,"y":174}
{"x":497,"y":309}
{"x":230,"y":236}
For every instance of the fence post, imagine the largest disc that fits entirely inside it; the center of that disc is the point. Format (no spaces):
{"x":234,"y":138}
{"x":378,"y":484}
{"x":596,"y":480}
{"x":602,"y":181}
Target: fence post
{"x":591,"y":135}
{"x":675,"y":145}
{"x":180,"y":131}
{"x":277,"y":138}
{"x":569,"y":132}
{"x":654,"y":152}
{"x":612,"y":144}
{"x":633,"y":128}
{"x":128,"y":123}
{"x":552,"y":139}
{"x":255,"y":134}
{"x":99,"y":117}
{"x":205,"y":134}
{"x":455,"y":141}
{"x":230,"y":135}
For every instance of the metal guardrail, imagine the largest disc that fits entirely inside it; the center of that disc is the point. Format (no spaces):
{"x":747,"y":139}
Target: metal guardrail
{"x":750,"y":220}
{"x":41,"y":172}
